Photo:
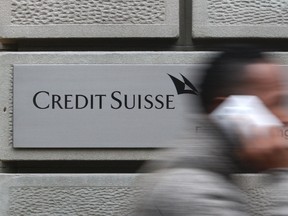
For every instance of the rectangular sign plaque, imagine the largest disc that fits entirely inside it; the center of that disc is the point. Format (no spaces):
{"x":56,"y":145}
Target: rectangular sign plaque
{"x":100,"y":106}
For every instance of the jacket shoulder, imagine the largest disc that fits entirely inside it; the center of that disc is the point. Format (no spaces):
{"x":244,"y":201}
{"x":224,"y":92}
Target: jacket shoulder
{"x":183,"y":191}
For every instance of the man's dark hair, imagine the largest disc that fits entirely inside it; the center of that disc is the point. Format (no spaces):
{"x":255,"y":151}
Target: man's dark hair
{"x":225,"y":73}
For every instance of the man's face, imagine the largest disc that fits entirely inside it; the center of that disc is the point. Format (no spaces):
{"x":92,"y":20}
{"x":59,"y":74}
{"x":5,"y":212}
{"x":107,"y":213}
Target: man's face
{"x":269,"y":151}
{"x":264,"y":81}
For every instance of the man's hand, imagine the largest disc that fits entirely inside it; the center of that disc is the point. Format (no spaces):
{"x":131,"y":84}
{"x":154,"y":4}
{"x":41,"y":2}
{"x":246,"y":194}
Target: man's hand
{"x":264,"y":149}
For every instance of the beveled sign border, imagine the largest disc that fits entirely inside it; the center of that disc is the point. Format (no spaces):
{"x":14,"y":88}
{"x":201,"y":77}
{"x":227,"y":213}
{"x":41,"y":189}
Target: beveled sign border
{"x":100,"y":105}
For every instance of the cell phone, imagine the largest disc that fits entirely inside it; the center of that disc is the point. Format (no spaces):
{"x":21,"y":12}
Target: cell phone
{"x":241,"y":114}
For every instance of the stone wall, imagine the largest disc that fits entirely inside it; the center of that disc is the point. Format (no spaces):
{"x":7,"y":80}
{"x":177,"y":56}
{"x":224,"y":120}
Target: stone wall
{"x":135,"y":32}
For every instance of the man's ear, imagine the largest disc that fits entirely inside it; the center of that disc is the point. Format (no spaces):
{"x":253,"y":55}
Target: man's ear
{"x":216,"y":102}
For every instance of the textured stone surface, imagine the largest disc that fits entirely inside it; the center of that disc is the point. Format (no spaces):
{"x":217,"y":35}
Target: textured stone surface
{"x":72,"y":195}
{"x":95,"y":194}
{"x":238,"y":18}
{"x":42,"y":12}
{"x":89,"y":18}
{"x":71,"y":200}
{"x":253,"y":12}
{"x":257,"y":193}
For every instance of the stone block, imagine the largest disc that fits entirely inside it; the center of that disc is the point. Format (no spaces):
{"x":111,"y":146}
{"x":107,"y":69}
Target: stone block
{"x":8,"y":59}
{"x":97,"y":194}
{"x":89,"y":19}
{"x":67,"y":194}
{"x":256,"y":192}
{"x":243,"y":19}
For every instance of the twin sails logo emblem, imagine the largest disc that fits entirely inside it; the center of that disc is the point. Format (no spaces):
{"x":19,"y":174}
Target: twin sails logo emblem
{"x":185,"y":86}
